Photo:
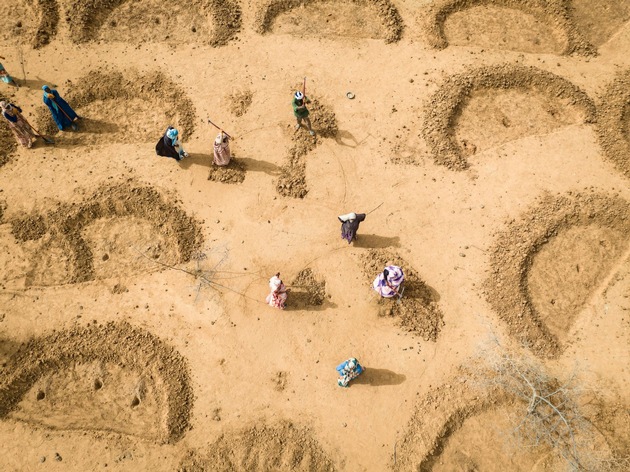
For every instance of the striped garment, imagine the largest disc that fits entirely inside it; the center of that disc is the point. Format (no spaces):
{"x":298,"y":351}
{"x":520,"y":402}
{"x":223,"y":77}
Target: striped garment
{"x":389,"y":288}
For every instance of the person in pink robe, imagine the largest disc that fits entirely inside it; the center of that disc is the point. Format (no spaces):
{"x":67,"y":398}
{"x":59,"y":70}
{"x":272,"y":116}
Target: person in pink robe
{"x":222,"y":154}
{"x":278,"y":296}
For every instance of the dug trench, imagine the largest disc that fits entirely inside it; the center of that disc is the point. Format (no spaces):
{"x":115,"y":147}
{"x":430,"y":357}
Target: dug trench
{"x":214,"y":22}
{"x":500,"y":118}
{"x":547,"y":265}
{"x":556,"y":14}
{"x":110,"y":377}
{"x":117,"y":230}
{"x":102,"y":98}
{"x":269,"y":16}
{"x":262,"y":447}
{"x":471,"y":423}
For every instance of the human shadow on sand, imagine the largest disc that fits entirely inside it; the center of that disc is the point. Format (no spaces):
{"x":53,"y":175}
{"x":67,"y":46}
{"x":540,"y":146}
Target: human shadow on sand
{"x":300,"y":300}
{"x":376,"y":241}
{"x":197,"y":159}
{"x":255,"y":165}
{"x":379,"y":377}
{"x":35,"y":84}
{"x":345,"y":138}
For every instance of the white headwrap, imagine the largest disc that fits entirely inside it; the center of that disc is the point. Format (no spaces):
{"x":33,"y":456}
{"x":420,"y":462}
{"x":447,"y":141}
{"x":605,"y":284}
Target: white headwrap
{"x":219,"y":138}
{"x":274,"y":283}
{"x":346,"y":217}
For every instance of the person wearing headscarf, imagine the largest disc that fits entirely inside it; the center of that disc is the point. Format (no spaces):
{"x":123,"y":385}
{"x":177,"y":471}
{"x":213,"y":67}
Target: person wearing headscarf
{"x":21,"y":128}
{"x":388,"y":282}
{"x":278,"y":296}
{"x":349,"y":370}
{"x":301,"y":112}
{"x":5,"y":77}
{"x":350,"y":225}
{"x":61,"y":112}
{"x":170,"y":146}
{"x":222,"y":154}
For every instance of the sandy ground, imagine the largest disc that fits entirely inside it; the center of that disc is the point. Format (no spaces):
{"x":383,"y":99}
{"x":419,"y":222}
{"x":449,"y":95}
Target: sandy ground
{"x":77,"y":253}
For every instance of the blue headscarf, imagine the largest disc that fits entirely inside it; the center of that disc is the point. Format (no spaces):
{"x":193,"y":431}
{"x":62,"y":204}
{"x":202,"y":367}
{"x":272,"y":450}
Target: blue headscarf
{"x":172,"y":135}
{"x":47,"y":92}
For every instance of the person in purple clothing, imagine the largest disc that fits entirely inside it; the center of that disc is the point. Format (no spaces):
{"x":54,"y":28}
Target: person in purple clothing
{"x":350,"y":225}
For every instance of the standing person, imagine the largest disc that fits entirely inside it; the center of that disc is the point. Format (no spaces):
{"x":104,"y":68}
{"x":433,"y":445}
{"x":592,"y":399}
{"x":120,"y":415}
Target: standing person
{"x":350,"y":225}
{"x":21,"y":128}
{"x":170,"y":146}
{"x":5,"y":77}
{"x":222,"y":154}
{"x":278,"y":296}
{"x":388,"y":282}
{"x":301,"y":112}
{"x":349,"y":370}
{"x":61,"y":112}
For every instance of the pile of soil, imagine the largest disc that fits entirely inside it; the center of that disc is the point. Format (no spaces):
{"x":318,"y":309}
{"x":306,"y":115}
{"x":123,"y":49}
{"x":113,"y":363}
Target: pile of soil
{"x":86,"y":18}
{"x":554,"y":12}
{"x":240,"y":102}
{"x":508,"y":286}
{"x":119,"y":343}
{"x":124,"y":87}
{"x":417,"y":311}
{"x":8,"y":145}
{"x":306,"y":291}
{"x":613,"y":122}
{"x":31,"y":22}
{"x":66,"y":222}
{"x":443,"y":108}
{"x":261,"y":448}
{"x":292,"y":180}
{"x":49,"y":18}
{"x":233,"y":173}
{"x":390,"y":17}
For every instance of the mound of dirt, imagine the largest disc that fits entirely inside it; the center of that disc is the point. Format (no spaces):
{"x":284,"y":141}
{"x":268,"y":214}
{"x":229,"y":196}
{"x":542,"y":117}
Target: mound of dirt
{"x":292,"y":180}
{"x":261,"y":448}
{"x":8,"y":144}
{"x":443,"y":108}
{"x":306,"y":291}
{"x":613,"y":122}
{"x":240,"y":102}
{"x":233,"y":173}
{"x":30,"y":21}
{"x":119,"y":344}
{"x":538,"y":282}
{"x":49,"y":18}
{"x":417,"y":311}
{"x":556,"y":13}
{"x":66,"y":224}
{"x":87,"y":19}
{"x":386,"y":10}
{"x":102,"y":96}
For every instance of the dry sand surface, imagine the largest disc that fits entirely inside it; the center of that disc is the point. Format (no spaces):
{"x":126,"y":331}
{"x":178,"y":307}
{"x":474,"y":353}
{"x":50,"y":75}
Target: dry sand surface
{"x":492,"y":140}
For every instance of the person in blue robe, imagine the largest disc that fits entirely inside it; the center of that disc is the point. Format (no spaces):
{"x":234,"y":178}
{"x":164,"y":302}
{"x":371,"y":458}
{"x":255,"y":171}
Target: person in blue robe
{"x":169,"y":145}
{"x":62,"y":114}
{"x":349,"y":370}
